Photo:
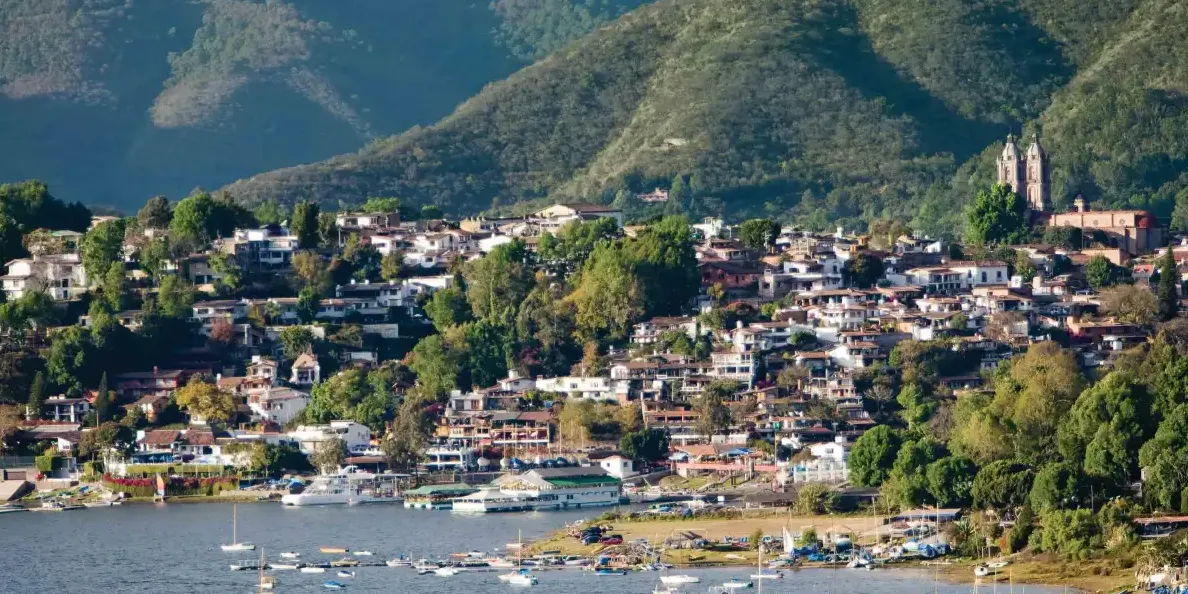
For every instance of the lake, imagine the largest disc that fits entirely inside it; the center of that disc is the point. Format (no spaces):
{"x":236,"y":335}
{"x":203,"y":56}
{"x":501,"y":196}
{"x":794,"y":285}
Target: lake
{"x":174,"y":548}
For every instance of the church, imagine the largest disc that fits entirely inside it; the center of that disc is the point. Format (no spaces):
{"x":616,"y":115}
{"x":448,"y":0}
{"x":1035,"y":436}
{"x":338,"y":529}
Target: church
{"x":1030,"y":176}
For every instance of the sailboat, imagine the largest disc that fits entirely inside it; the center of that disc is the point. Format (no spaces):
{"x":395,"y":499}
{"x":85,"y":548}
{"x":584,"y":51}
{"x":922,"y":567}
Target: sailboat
{"x":235,"y":544}
{"x":265,"y":582}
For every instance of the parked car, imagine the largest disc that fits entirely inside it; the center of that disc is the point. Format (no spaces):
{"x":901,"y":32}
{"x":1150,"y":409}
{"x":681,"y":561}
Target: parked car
{"x":614,"y":539}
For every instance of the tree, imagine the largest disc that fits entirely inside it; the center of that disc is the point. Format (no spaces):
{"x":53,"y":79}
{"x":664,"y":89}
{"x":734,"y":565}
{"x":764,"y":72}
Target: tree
{"x":568,"y":250}
{"x":206,"y":400}
{"x":102,"y":400}
{"x":107,"y":437}
{"x":646,"y":444}
{"x":1064,"y":236}
{"x":201,"y":217}
{"x":10,"y":424}
{"x":409,"y":435}
{"x":228,"y":274}
{"x":311,"y":271}
{"x":665,"y":264}
{"x":1058,"y":485}
{"x":759,"y":235}
{"x":154,"y":256}
{"x":576,"y":420}
{"x":1169,"y":277}
{"x":1024,"y":267}
{"x":630,"y":418}
{"x":392,"y":265}
{"x":155,"y":214}
{"x":1131,"y":304}
{"x":296,"y":340}
{"x":950,"y":481}
{"x":447,"y":307}
{"x":36,"y":396}
{"x":1001,"y":485}
{"x":873,"y":455}
{"x":1033,"y":394}
{"x":329,"y":455}
{"x":69,"y":362}
{"x":1100,"y":273}
{"x":327,"y":230}
{"x":609,"y":296}
{"x":381,"y":205}
{"x":498,"y":282}
{"x":271,"y":212}
{"x":431,"y":212}
{"x":488,"y":350}
{"x":175,"y":298}
{"x":998,"y":216}
{"x":713,"y":414}
{"x":814,"y":499}
{"x":113,"y":286}
{"x":437,"y":365}
{"x":103,"y":245}
{"x":308,"y":302}
{"x":863,"y":270}
{"x":304,"y":225}
{"x":907,"y":483}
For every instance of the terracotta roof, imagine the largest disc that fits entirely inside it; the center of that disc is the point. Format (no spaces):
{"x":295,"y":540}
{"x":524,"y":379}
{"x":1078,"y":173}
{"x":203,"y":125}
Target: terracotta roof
{"x":305,"y":360}
{"x":199,"y":438}
{"x":161,"y":437}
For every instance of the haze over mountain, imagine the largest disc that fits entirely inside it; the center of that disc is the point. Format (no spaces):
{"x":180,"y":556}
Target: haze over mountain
{"x":820,"y":110}
{"x":112,"y":101}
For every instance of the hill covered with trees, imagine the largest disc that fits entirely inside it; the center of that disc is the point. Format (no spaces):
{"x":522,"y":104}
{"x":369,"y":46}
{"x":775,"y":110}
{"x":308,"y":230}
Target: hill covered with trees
{"x":113,"y":101}
{"x":812,"y":110}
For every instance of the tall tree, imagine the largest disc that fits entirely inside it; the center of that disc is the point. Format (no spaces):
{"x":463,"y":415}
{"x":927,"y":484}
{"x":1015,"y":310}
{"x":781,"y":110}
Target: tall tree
{"x":1100,"y":273}
{"x":206,"y":400}
{"x":713,"y":414}
{"x":305,"y":224}
{"x":498,"y":282}
{"x":863,"y":270}
{"x":609,"y":297}
{"x":873,"y":456}
{"x":759,"y":235}
{"x":36,"y":396}
{"x":998,"y":216}
{"x":329,"y":455}
{"x":392,"y":266}
{"x":156,"y":213}
{"x":308,"y":302}
{"x":103,"y":245}
{"x":113,"y":286}
{"x":102,"y":401}
{"x":1169,"y":277}
{"x":327,"y":230}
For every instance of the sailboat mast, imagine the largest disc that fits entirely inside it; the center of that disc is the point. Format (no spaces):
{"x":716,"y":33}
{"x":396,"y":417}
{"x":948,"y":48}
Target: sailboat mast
{"x":759,"y":547}
{"x":234,"y":524}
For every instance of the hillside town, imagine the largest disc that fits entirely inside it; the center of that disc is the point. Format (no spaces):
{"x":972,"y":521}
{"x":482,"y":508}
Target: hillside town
{"x":749,"y":356}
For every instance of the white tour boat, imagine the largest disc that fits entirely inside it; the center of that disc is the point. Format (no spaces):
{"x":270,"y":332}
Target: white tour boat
{"x":544,"y":489}
{"x":348,"y":486}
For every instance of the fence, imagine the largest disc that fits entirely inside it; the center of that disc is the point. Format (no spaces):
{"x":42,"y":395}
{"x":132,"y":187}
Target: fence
{"x":17,"y":462}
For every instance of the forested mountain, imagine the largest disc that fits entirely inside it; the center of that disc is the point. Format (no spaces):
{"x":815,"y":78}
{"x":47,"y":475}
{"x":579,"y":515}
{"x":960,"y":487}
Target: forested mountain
{"x":112,"y":101}
{"x":812,"y":110}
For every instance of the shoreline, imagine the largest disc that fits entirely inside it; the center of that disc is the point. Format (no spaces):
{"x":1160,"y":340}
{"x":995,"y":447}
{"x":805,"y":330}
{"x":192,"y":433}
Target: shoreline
{"x":1090,"y":576}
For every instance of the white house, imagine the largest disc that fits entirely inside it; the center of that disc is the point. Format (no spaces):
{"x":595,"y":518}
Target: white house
{"x":984,"y":272}
{"x":277,"y":405}
{"x":309,"y":437}
{"x":558,"y":215}
{"x":306,"y":371}
{"x":594,"y":388}
{"x":61,"y":276}
{"x":618,"y":466}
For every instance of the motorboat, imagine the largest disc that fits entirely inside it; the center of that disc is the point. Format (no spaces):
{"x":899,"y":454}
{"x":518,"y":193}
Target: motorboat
{"x":522,"y":579}
{"x":290,"y":555}
{"x":349,"y":486}
{"x":446,"y":571}
{"x":235,"y":545}
{"x":676,"y":580}
{"x":499,"y":563}
{"x":665,"y":590}
{"x":363,"y":553}
{"x":333,"y":550}
{"x":345,"y":562}
{"x":282,"y":566}
{"x":313,"y":570}
{"x":736,"y":584}
{"x":334,"y":586}
{"x":398,"y":563}
{"x":425,"y":565}
{"x":346,"y":574}
{"x":768,"y":575}
{"x":608,"y":571}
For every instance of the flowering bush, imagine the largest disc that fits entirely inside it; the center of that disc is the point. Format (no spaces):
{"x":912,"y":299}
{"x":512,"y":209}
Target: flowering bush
{"x":177,"y":485}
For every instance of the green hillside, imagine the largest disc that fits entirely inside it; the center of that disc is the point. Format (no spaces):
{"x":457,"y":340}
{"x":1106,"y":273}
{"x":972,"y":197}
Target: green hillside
{"x":112,"y":101}
{"x":813,"y":110}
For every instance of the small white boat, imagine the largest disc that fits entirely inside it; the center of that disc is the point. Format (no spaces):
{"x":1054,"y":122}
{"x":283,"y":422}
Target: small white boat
{"x":102,"y":503}
{"x":982,"y":571}
{"x":425,"y":565}
{"x":346,"y":574}
{"x":768,"y":575}
{"x":313,"y":570}
{"x":398,"y":563}
{"x":998,"y":564}
{"x":363,"y":553}
{"x":676,"y":580}
{"x":235,"y":545}
{"x":521,"y":579}
{"x":282,"y":566}
{"x":446,"y":571}
{"x":665,"y":590}
{"x":334,"y":586}
{"x":499,"y":563}
{"x":290,"y":555}
{"x":736,"y":584}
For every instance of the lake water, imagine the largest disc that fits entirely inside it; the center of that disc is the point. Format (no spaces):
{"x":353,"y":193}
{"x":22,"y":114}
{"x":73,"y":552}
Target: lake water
{"x":148,"y":549}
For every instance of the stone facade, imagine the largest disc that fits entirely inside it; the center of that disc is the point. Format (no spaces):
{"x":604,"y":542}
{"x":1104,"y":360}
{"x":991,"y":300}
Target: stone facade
{"x":1029,"y":175}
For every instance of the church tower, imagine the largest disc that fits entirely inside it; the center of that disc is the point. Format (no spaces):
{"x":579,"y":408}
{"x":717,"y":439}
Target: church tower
{"x":1038,"y":177}
{"x":1010,"y":166}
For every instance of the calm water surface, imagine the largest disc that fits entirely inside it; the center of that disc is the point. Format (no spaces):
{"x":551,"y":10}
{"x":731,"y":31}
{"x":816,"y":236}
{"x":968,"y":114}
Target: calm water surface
{"x":146,"y":549}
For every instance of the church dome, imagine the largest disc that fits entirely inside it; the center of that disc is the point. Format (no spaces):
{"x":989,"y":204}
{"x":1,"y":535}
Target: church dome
{"x":1011,"y":150}
{"x":1035,"y":150}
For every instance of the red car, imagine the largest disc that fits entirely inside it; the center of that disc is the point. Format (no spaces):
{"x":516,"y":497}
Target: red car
{"x":612,"y":540}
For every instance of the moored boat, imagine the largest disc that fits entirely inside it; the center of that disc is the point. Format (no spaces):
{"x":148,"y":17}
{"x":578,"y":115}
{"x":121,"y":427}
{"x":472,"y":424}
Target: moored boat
{"x":346,"y":574}
{"x":348,"y":486}
{"x":334,"y":586}
{"x":235,"y":545}
{"x":608,"y":571}
{"x":446,"y":571}
{"x":313,"y":570}
{"x":290,"y":555}
{"x":333,"y":550}
{"x":283,"y":566}
{"x":673,"y":580}
{"x":736,"y":584}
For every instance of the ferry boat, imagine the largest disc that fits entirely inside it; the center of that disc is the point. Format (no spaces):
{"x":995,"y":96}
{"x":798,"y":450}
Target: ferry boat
{"x":348,"y":486}
{"x":436,"y":496}
{"x":544,"y":489}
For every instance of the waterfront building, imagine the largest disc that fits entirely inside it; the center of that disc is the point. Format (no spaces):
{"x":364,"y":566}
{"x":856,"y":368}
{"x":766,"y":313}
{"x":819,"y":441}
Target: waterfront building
{"x":545,"y":489}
